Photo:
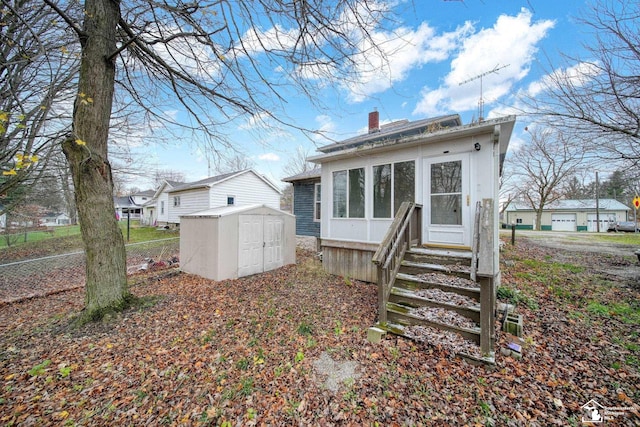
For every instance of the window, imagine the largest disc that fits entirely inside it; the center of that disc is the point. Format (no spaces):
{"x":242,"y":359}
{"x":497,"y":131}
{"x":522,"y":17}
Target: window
{"x":176,"y":201}
{"x":446,"y":193}
{"x":402,"y":181}
{"x":316,"y":201}
{"x":348,"y":193}
{"x":518,"y":220}
{"x":231,"y":200}
{"x":162,"y":207}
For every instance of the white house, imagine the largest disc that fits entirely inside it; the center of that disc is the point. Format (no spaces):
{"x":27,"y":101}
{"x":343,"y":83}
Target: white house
{"x":53,"y":219}
{"x":438,"y":163}
{"x":157,"y":209}
{"x":241,"y":188}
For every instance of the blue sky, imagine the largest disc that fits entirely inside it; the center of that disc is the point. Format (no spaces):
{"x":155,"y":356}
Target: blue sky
{"x":450,"y":42}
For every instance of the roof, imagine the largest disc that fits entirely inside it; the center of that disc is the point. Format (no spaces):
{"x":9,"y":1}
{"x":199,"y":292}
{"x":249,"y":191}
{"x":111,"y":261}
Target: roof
{"x":124,"y":202}
{"x":310,"y":174}
{"x":211,"y":181}
{"x":501,"y":127}
{"x":395,"y":130}
{"x":166,"y":183}
{"x":145,"y":193}
{"x":574,"y":205}
{"x":230,"y":210}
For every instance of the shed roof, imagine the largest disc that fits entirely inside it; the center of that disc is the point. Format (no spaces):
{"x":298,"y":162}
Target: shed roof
{"x":231,"y":210}
{"x":574,"y":205}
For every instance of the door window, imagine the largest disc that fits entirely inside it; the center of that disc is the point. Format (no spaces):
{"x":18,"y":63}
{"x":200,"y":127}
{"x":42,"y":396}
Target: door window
{"x":446,"y":193}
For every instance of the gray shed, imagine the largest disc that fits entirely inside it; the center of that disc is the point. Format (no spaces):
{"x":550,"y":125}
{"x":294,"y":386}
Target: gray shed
{"x":235,"y":241}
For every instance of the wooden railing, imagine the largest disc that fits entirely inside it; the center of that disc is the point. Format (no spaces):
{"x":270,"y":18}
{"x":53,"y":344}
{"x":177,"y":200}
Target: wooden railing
{"x":404,"y":231}
{"x":486,"y":271}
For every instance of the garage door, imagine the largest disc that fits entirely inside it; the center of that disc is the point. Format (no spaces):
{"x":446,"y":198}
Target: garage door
{"x":261,"y":240}
{"x":563,"y":222}
{"x":605,"y":219}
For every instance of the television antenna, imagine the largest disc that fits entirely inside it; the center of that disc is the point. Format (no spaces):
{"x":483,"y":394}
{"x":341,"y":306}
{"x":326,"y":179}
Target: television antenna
{"x":480,"y":76}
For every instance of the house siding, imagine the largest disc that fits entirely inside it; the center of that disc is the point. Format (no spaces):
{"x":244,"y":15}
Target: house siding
{"x":303,"y":208}
{"x":190,"y":201}
{"x":247,"y":189}
{"x":163,"y":217}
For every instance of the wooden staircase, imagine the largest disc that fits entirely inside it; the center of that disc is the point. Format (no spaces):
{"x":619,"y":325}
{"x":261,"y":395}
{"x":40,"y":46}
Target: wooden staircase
{"x":435,"y":295}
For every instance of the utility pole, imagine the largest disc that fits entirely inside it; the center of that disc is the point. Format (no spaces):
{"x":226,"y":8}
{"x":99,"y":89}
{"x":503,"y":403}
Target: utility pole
{"x":480,"y":76}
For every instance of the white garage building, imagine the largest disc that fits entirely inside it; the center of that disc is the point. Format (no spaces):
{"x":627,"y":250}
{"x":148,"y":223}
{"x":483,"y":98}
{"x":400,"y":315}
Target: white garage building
{"x":568,"y":215}
{"x":235,"y":241}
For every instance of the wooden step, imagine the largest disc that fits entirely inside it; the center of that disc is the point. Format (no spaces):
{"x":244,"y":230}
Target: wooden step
{"x":399,"y":329}
{"x":410,"y":267}
{"x":399,"y":314}
{"x":409,"y":298}
{"x":411,"y":282}
{"x":438,"y":256}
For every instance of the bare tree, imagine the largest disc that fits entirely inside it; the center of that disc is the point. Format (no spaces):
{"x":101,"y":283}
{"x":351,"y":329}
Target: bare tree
{"x":598,"y":98}
{"x":37,"y":77}
{"x":543,"y":166}
{"x":214,"y":59}
{"x":298,"y":162}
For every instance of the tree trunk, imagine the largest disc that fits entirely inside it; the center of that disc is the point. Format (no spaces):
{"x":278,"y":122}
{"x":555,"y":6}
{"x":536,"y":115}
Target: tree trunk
{"x":86,"y":151}
{"x":538,"y":226}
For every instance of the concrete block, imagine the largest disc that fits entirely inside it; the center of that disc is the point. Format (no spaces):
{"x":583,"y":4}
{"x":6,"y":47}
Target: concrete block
{"x":375,"y":335}
{"x":513,"y":324}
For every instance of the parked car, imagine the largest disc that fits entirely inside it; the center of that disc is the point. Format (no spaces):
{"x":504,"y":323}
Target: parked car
{"x":628,"y":226}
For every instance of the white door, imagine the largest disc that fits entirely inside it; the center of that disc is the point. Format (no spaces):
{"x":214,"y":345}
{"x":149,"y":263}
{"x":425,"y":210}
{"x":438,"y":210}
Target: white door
{"x":605,"y":219}
{"x":446,"y":199}
{"x":563,"y":222}
{"x":251,"y":245}
{"x":273,"y":236}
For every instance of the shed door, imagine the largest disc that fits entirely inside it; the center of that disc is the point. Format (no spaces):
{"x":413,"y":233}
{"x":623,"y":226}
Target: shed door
{"x":261,"y":244}
{"x":250,"y":258}
{"x":273,"y":237}
{"x":563,"y":222}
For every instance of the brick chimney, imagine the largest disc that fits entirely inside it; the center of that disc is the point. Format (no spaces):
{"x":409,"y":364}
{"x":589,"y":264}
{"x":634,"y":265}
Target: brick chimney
{"x":374,"y":121}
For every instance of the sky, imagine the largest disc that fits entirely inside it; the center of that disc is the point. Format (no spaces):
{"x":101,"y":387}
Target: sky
{"x":511,"y":44}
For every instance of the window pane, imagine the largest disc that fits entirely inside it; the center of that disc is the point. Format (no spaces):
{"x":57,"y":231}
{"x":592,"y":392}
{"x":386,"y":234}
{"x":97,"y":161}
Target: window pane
{"x":356,"y":193}
{"x":446,"y":209}
{"x":446,"y":177}
{"x":317,"y":203}
{"x":382,"y":191}
{"x":404,"y":183}
{"x":340,"y":194}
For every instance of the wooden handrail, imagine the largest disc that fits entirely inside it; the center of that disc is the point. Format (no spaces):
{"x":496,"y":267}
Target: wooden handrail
{"x":404,"y":231}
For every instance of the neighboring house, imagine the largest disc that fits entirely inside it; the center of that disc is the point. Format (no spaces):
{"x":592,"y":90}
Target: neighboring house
{"x":438,"y":163}
{"x":127,"y":208}
{"x":568,"y":215}
{"x":241,"y":188}
{"x":53,"y":219}
{"x":142,"y":197}
{"x":158,"y":207}
{"x":307,"y":202}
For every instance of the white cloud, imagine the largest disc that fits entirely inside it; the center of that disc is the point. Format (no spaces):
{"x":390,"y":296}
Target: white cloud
{"x":269,"y":157}
{"x":576,"y":76}
{"x":405,"y":49}
{"x":511,"y":41}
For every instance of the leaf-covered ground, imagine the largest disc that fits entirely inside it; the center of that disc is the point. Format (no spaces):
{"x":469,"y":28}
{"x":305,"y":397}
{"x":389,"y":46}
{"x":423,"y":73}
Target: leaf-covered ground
{"x":251,"y":352}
